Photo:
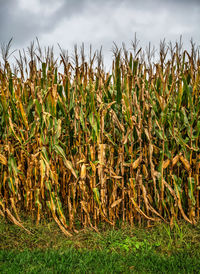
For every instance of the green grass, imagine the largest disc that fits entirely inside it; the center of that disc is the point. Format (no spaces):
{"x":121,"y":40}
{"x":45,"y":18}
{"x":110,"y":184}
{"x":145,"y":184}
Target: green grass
{"x":121,"y":250}
{"x":96,"y":261}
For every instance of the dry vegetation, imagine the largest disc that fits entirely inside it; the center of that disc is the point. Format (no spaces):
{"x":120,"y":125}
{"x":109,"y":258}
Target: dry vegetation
{"x":98,"y":147}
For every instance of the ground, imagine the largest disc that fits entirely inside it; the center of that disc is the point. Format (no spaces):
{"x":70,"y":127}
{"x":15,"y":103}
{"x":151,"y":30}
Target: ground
{"x":124,"y":249}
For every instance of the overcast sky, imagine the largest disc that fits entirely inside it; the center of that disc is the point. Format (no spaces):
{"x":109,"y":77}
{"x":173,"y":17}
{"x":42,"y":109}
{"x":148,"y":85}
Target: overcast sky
{"x":99,"y":22}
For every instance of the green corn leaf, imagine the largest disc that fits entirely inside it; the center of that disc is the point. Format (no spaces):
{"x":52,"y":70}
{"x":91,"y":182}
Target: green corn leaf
{"x":68,"y":164}
{"x":97,"y":195}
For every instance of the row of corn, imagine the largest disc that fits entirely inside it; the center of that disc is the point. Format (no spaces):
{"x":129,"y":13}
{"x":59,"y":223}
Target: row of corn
{"x":83,"y":146}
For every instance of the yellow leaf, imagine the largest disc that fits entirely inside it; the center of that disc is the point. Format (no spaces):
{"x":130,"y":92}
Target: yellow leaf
{"x":23,"y":115}
{"x":83,"y":172}
{"x":175,"y":160}
{"x":3,"y":159}
{"x":136,"y":163}
{"x":166,"y":163}
{"x":115,"y":203}
{"x":185,"y":163}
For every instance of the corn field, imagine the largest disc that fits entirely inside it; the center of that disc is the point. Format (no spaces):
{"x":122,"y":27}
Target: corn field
{"x":88,"y":146}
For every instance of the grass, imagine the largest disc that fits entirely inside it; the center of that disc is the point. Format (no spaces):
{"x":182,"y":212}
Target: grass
{"x":76,"y":261}
{"x":126,"y":249}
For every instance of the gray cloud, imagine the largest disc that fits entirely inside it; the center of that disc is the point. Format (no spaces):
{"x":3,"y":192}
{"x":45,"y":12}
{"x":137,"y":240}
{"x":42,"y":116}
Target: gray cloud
{"x":99,"y":22}
{"x":23,"y":23}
